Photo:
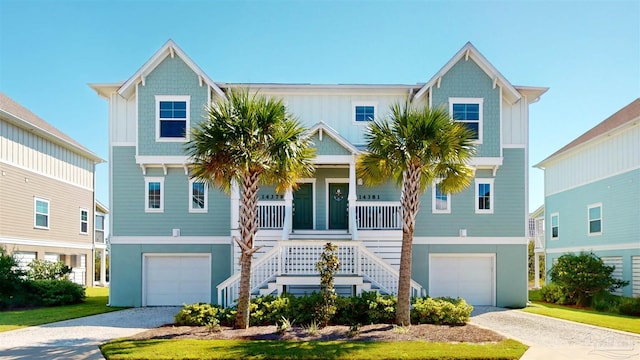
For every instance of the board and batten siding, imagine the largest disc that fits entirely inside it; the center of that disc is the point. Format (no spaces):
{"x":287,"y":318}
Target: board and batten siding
{"x":515,"y":123}
{"x":21,"y":148}
{"x":601,"y":159}
{"x":122,"y":119}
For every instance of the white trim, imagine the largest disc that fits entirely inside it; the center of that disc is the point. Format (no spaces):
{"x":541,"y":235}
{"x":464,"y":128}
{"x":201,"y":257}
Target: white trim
{"x":556,"y":214}
{"x":44,"y":175}
{"x":159,"y":160}
{"x":87,"y":221}
{"x":575,"y":249}
{"x":206,"y":197}
{"x":592,"y":181}
{"x":123,"y":143}
{"x":175,"y":98}
{"x":514,"y":146}
{"x":321,"y":127}
{"x":137,"y":116}
{"x":35,"y":213}
{"x":494,"y":271}
{"x":165,"y":240}
{"x":481,"y":240}
{"x":363,"y":103}
{"x":45,"y":243}
{"x":492,"y":191}
{"x":434,"y":210}
{"x":476,"y":101}
{"x":589,"y":207}
{"x":147,"y":180}
{"x":328,"y":181}
{"x":311,"y":181}
{"x":333,"y":159}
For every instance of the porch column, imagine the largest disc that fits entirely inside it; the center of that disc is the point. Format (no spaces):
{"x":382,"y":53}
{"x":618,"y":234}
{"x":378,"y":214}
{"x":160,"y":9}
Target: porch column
{"x":353,"y":226}
{"x":235,"y":205}
{"x":536,"y":270}
{"x":288,"y":214}
{"x":103,"y":267}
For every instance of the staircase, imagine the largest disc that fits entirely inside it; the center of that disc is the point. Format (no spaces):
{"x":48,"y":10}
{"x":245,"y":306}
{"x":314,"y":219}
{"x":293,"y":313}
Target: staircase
{"x":291,"y":264}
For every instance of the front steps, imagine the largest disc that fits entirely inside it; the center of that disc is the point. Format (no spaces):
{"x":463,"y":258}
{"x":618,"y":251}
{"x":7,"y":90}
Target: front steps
{"x":324,"y":235}
{"x":306,"y":284}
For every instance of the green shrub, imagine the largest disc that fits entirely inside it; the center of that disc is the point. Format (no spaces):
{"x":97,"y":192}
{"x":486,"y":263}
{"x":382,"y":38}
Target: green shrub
{"x":47,"y":270}
{"x":10,"y":279}
{"x":629,"y":306}
{"x":267,"y":310}
{"x":367,"y":308}
{"x":606,"y":302}
{"x":55,"y":292}
{"x":328,"y":265}
{"x":441,"y":311}
{"x":199,"y":314}
{"x":554,"y":293}
{"x":583,"y":276}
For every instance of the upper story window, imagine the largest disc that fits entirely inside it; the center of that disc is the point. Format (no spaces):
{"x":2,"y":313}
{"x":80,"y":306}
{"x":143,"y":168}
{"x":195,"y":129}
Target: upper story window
{"x":364,"y":112}
{"x":595,"y":219}
{"x":469,"y":112}
{"x":555,"y":226}
{"x":484,"y":196}
{"x":154,"y":194}
{"x":99,"y":222}
{"x":197,"y":196}
{"x":172,"y":118}
{"x":84,"y":221}
{"x":40,"y":213}
{"x":440,"y":202}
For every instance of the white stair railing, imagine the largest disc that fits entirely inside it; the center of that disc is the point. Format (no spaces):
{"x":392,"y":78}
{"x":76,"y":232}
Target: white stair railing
{"x":379,"y":215}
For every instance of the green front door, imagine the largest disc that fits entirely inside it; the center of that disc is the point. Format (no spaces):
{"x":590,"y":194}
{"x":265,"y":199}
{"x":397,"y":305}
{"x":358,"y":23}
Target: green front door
{"x":303,"y":207}
{"x":338,"y":206}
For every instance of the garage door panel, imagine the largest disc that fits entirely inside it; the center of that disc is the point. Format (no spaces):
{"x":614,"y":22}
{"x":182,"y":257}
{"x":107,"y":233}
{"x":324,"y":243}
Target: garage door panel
{"x":470,"y":277}
{"x":177,"y":279}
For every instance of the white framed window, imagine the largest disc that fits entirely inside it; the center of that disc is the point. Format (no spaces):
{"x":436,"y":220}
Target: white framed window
{"x":469,"y":112}
{"x":555,"y":226}
{"x":484,"y":196}
{"x":154,"y":194}
{"x":594,"y":222}
{"x":364,"y":112}
{"x":99,"y":225}
{"x":40,"y":213}
{"x":172,"y":118}
{"x":440,"y":201}
{"x":197,"y":196}
{"x":84,"y":221}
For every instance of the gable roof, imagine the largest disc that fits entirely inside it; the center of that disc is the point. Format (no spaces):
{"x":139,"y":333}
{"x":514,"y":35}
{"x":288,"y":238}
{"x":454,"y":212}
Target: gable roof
{"x":17,"y":114}
{"x":168,"y":49}
{"x":324,"y":128}
{"x":626,"y":115}
{"x":469,"y":51}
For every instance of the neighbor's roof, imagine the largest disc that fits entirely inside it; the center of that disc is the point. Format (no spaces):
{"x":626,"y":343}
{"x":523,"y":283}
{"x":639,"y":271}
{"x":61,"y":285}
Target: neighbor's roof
{"x":17,"y":114}
{"x":627,"y":114}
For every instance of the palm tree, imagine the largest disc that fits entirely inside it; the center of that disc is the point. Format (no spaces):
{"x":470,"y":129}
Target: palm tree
{"x":248,"y":140}
{"x":415,"y":147}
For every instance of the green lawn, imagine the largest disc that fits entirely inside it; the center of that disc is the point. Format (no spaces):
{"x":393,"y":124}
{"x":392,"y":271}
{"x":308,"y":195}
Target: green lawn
{"x":96,"y":303}
{"x":263,"y":349}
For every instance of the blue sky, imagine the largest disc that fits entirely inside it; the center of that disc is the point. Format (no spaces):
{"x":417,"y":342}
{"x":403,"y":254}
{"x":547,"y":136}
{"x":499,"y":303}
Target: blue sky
{"x":587,"y":52}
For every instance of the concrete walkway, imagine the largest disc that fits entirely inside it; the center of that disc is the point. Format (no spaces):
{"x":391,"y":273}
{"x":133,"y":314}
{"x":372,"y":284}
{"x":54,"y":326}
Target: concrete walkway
{"x":552,"y":339}
{"x":80,"y":338}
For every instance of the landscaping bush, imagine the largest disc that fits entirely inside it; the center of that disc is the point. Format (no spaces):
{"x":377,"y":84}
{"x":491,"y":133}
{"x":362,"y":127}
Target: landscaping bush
{"x":199,"y":314}
{"x":629,"y":306}
{"x":55,"y":292}
{"x":47,"y":270}
{"x":583,"y":276}
{"x":267,"y":310}
{"x":441,"y":311}
{"x":606,"y":302}
{"x":10,"y":279}
{"x":554,"y":293}
{"x":368,"y":308}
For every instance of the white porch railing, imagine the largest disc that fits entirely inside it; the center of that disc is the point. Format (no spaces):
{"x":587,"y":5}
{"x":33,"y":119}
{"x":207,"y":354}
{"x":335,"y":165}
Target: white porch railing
{"x":539,"y":242}
{"x":379,"y":215}
{"x":300,"y":258}
{"x":271,"y":214}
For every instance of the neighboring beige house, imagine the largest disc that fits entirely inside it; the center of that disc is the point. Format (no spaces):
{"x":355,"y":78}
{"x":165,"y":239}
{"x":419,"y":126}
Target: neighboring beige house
{"x":47,"y":192}
{"x":100,"y":242}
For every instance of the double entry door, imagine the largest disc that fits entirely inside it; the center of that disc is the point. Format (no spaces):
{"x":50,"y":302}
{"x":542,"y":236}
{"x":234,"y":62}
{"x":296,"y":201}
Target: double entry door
{"x":337,"y":207}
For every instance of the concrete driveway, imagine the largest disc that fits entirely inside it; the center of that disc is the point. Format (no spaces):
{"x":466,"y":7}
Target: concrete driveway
{"x":79,"y":338}
{"x":551,"y":339}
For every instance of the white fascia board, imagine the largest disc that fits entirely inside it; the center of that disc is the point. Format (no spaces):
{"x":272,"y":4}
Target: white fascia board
{"x":159,"y":160}
{"x":468,"y":240}
{"x":607,"y":247}
{"x":148,"y":240}
{"x":46,"y":243}
{"x":105,"y":90}
{"x":486,"y":161}
{"x":333,"y":159}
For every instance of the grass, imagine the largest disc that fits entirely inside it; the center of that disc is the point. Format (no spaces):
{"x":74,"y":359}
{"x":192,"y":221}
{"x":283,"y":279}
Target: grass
{"x":584,"y":316}
{"x":264,"y":349}
{"x":96,"y":303}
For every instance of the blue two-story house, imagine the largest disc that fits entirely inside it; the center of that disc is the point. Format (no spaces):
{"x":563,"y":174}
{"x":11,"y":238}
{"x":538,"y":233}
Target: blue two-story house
{"x":171,"y":238}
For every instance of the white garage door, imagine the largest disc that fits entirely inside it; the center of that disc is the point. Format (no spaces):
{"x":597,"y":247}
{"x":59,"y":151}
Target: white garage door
{"x":468,"y":276}
{"x":176,"y":279}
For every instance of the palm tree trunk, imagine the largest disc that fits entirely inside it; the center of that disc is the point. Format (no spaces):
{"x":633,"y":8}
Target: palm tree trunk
{"x":248,"y":230}
{"x":410,"y":206}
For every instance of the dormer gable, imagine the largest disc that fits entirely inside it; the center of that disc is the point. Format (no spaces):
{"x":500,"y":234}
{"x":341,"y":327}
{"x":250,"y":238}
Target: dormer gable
{"x":330,"y":142}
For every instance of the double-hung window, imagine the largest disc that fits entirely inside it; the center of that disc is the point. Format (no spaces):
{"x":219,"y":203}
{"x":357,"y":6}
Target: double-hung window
{"x":594,"y":212}
{"x":469,"y":112}
{"x":40,"y":213}
{"x":440,"y":201}
{"x":197,"y":196}
{"x":172,"y":118}
{"x":484,"y":196}
{"x":555,"y":226}
{"x":154,"y":194}
{"x":84,"y":221}
{"x":364,"y":112}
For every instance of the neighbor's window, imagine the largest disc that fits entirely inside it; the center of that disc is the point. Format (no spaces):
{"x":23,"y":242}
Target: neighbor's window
{"x":41,"y":213}
{"x":84,"y":221}
{"x":484,"y":196}
{"x":555,"y":226}
{"x":595,"y":219}
{"x":99,"y":222}
{"x":197,"y":196}
{"x":469,"y":112}
{"x":364,"y":111}
{"x":154,"y":197}
{"x":172,"y":118}
{"x":441,"y":202}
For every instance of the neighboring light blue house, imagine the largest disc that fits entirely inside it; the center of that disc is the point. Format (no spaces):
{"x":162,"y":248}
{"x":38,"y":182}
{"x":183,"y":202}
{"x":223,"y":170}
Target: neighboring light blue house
{"x":592,"y":196}
{"x":171,"y":238}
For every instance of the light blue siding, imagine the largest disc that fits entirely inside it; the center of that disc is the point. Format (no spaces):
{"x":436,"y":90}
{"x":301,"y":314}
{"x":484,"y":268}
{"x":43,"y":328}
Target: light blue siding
{"x":466,"y":79}
{"x":171,"y":77}
{"x":328,"y":146}
{"x":128,"y":214}
{"x":126,"y":269}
